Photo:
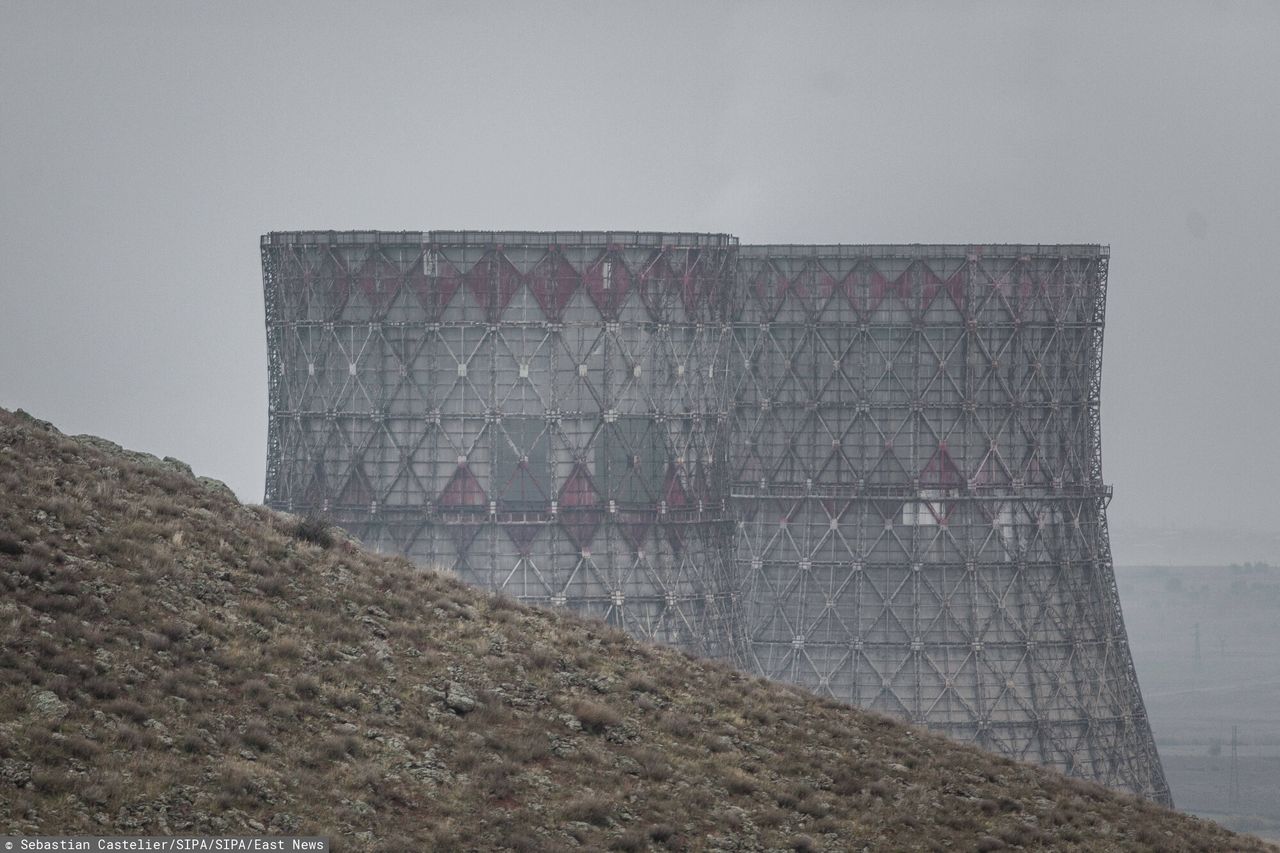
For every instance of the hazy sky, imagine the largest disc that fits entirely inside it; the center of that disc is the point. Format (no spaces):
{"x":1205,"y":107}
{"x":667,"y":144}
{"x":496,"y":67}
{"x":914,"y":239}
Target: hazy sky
{"x":145,"y":146}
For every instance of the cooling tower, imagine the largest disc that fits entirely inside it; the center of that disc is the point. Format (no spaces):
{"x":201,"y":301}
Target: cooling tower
{"x":537,"y":412}
{"x":916,"y":474}
{"x":874,"y":471}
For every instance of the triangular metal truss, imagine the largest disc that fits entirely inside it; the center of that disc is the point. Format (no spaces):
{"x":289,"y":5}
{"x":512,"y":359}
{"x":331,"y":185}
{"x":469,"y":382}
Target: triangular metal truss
{"x":871,"y":470}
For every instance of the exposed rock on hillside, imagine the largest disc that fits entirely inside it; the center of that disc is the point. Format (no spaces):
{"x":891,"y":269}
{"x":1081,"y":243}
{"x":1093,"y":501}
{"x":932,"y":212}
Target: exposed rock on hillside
{"x":174,"y":662}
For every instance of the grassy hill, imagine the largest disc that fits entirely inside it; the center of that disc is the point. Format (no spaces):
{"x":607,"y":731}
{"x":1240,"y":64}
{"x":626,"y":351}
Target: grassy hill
{"x":175,"y":662}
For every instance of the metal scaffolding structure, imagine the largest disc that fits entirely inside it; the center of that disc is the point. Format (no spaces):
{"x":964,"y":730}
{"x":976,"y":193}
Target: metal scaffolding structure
{"x":537,"y":412}
{"x":916,"y":477}
{"x":874,"y":471}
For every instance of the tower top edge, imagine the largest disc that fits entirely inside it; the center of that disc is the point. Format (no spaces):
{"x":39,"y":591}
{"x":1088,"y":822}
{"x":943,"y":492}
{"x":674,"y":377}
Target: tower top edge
{"x":679,"y":239}
{"x":507,"y":239}
{"x":923,"y":250}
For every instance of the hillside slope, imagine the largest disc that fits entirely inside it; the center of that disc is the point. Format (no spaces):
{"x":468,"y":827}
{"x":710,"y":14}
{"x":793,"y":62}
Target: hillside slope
{"x":174,"y":662}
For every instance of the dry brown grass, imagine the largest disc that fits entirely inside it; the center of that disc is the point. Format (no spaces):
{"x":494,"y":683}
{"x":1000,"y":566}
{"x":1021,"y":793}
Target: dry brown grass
{"x":213,"y":664}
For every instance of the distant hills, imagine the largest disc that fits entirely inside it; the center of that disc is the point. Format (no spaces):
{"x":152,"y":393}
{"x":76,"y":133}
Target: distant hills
{"x":1147,"y":546}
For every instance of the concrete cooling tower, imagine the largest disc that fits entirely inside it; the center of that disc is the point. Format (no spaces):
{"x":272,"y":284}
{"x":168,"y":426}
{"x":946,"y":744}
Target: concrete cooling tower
{"x":874,"y":471}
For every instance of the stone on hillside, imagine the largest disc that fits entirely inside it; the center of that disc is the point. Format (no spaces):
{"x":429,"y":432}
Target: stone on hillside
{"x":216,"y":486}
{"x":458,"y":700}
{"x":48,"y":705}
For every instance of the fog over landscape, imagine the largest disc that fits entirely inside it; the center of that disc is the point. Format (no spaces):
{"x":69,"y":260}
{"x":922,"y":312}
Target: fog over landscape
{"x":145,"y":147}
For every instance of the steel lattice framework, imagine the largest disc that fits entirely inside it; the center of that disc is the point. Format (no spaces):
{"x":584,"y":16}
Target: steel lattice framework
{"x":871,"y":470}
{"x":537,"y":412}
{"x":917,"y":479}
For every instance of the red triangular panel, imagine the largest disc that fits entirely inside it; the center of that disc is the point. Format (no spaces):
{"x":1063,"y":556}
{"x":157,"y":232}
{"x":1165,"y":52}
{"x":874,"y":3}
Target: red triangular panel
{"x":463,"y":490}
{"x":608,"y":281}
{"x":578,"y":490}
{"x":579,"y":502}
{"x":434,"y":281}
{"x":941,"y":472}
{"x":493,"y":281}
{"x":553,"y":282}
{"x":522,"y":535}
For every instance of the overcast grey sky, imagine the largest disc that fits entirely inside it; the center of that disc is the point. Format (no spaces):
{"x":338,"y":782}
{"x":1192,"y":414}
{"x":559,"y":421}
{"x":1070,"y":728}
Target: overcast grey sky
{"x":145,"y":146}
